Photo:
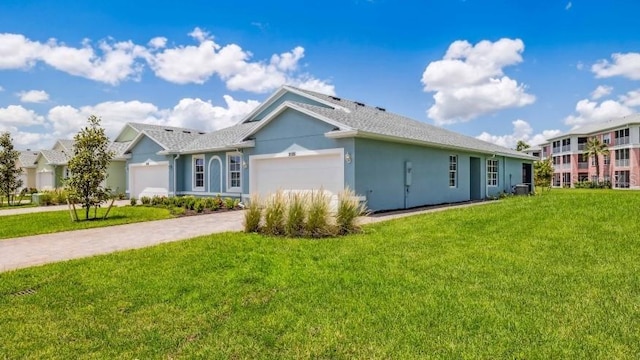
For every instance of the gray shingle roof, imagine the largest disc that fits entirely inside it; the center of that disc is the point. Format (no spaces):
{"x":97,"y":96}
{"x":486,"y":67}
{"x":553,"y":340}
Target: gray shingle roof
{"x":55,"y":157}
{"x":601,"y":126}
{"x":375,"y":120}
{"x":140,"y":126}
{"x":220,"y":138}
{"x":67,"y":144}
{"x":28,"y":158}
{"x":118,"y":148}
{"x":170,"y":139}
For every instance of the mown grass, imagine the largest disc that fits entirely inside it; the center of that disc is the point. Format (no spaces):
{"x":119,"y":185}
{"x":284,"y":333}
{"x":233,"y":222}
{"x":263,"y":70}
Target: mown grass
{"x":549,"y":277}
{"x":12,"y":226}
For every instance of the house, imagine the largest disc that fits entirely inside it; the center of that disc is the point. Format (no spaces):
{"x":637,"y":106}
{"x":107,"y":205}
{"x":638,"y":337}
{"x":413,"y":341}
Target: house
{"x":26,"y":161}
{"x":303,"y":140}
{"x":621,"y":167}
{"x":50,"y":166}
{"x":535,"y":151}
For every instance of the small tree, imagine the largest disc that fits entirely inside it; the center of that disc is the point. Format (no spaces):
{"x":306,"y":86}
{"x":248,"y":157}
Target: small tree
{"x":543,"y":173}
{"x":521,"y":145}
{"x":10,"y":180}
{"x":88,"y":166}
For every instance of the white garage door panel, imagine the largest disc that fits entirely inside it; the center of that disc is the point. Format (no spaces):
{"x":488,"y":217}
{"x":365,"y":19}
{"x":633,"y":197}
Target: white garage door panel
{"x":299,"y":173}
{"x":151,"y":180}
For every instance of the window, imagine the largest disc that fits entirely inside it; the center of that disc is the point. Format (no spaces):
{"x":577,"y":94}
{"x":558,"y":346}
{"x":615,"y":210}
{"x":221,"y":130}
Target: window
{"x":234,"y":172}
{"x":607,"y":159}
{"x":621,"y":136}
{"x":566,"y":179}
{"x":566,"y":145}
{"x":198,"y":172}
{"x":453,"y":171}
{"x":556,"y":179}
{"x":622,"y":179}
{"x":65,"y":172}
{"x":622,"y":157}
{"x":556,"y":146}
{"x":606,"y":138}
{"x":492,"y":172}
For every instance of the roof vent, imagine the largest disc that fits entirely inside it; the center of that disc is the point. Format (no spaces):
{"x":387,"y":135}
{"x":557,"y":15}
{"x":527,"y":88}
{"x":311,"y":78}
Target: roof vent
{"x":381,"y":108}
{"x":169,"y":130}
{"x":186,"y":131}
{"x":335,"y":98}
{"x":201,"y":133}
{"x":359,"y":103}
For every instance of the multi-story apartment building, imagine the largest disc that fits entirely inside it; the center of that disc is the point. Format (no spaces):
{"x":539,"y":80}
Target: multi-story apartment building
{"x":621,"y":167}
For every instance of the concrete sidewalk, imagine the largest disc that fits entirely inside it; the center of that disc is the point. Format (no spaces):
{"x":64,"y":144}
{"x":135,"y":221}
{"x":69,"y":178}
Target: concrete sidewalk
{"x":4,"y":211}
{"x":42,"y":249}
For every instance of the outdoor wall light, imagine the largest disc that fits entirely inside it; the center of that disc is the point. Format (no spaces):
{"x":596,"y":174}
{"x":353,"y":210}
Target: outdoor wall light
{"x":244,"y":164}
{"x":347,"y":158}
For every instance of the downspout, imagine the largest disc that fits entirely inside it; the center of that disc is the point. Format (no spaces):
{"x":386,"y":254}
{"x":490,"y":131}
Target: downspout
{"x":175,"y":172}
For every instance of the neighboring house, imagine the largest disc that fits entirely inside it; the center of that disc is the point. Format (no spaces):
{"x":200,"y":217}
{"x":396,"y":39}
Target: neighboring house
{"x":301,"y":140}
{"x":26,"y":162}
{"x":621,"y":167}
{"x":51,"y":165}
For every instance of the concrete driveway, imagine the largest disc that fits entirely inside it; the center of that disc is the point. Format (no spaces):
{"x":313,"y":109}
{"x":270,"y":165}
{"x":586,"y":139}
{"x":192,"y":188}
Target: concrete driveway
{"x":35,"y":250}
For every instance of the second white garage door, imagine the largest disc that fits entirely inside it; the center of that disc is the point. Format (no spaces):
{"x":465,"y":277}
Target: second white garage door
{"x":297,"y":172}
{"x":148,"y":180}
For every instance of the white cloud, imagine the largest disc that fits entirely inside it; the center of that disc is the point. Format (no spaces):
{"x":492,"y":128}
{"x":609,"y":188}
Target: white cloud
{"x":26,"y":139}
{"x":18,"y":52}
{"x":522,"y":130}
{"x":202,"y":115}
{"x":568,"y":6}
{"x":33,"y":96}
{"x":601,"y":91}
{"x":1,"y":89}
{"x":158,"y":42}
{"x":16,"y":115}
{"x":631,"y":99}
{"x":469,"y":81}
{"x":625,"y":65}
{"x":192,"y":113}
{"x":592,"y":111}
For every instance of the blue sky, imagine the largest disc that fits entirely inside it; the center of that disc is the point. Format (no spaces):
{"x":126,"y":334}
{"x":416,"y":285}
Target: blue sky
{"x":499,"y":70}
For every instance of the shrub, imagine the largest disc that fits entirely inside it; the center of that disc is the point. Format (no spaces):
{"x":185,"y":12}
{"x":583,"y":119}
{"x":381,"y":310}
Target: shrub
{"x":349,"y":209}
{"x":199,"y":206}
{"x":230,"y":203}
{"x":59,"y":196}
{"x":133,"y":201}
{"x":189,"y":202}
{"x":318,"y":215}
{"x":208,"y":203}
{"x":157,"y":200}
{"x":145,"y":200}
{"x":46,"y":198}
{"x":253,"y":215}
{"x":294,"y":225}
{"x":274,"y":214}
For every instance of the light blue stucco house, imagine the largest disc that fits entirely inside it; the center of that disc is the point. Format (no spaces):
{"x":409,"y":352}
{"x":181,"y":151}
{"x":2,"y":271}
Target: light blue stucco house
{"x":302,"y":140}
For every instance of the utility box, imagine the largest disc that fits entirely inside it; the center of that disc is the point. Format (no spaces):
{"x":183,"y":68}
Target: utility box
{"x":522,"y":189}
{"x":35,"y":199}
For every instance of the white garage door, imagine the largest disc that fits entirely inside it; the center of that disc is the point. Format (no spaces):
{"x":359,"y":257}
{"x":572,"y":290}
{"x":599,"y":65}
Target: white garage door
{"x":299,"y":172}
{"x":44,"y":180}
{"x":148,"y":180}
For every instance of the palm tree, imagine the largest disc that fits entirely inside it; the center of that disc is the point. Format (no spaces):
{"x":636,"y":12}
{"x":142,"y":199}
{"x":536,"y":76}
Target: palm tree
{"x":595,"y":148}
{"x":522,"y":145}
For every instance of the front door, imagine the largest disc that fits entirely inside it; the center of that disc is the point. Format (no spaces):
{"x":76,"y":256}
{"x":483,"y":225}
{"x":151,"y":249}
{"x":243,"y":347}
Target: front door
{"x":526,"y":175}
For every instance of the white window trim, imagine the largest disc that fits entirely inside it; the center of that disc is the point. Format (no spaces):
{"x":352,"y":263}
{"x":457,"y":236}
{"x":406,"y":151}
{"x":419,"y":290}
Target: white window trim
{"x":234,"y":189}
{"x":455,"y":177}
{"x":497,"y":172}
{"x":193,"y":172}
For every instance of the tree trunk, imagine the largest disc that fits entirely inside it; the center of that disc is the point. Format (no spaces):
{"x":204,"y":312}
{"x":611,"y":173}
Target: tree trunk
{"x":597,"y":170}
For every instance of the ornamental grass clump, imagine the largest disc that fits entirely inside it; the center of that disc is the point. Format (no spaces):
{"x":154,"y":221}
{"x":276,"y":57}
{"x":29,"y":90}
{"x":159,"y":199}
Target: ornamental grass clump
{"x":274,"y":214}
{"x":348,"y":211}
{"x":296,"y":209}
{"x":319,"y":215}
{"x":253,"y":215}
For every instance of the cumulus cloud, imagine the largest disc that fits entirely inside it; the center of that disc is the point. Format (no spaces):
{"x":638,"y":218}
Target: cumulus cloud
{"x":112,"y":62}
{"x":522,"y":130}
{"x":601,"y":91}
{"x":625,"y":65}
{"x":33,"y":96}
{"x":192,"y":113}
{"x":16,"y":115}
{"x":631,"y":99}
{"x":1,"y":88}
{"x":592,"y":111}
{"x":469,"y":81}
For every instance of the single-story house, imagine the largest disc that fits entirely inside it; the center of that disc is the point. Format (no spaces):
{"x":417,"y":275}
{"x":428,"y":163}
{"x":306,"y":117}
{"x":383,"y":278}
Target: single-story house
{"x":50,"y":166}
{"x":302,"y":140}
{"x":26,"y":162}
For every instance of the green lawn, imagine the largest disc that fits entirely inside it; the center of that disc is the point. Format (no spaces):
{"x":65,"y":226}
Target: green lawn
{"x":549,"y":277}
{"x":56,"y":221}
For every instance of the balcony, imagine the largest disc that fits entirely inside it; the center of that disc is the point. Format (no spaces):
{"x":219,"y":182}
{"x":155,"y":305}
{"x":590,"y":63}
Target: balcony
{"x":566,"y":147}
{"x":565,"y":166}
{"x":622,"y":162}
{"x":621,"y":141}
{"x":582,"y":147}
{"x":583,"y":165}
{"x":556,"y":150}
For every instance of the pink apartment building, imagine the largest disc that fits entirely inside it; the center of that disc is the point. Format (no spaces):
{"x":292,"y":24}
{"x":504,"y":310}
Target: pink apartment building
{"x":621,"y":167}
